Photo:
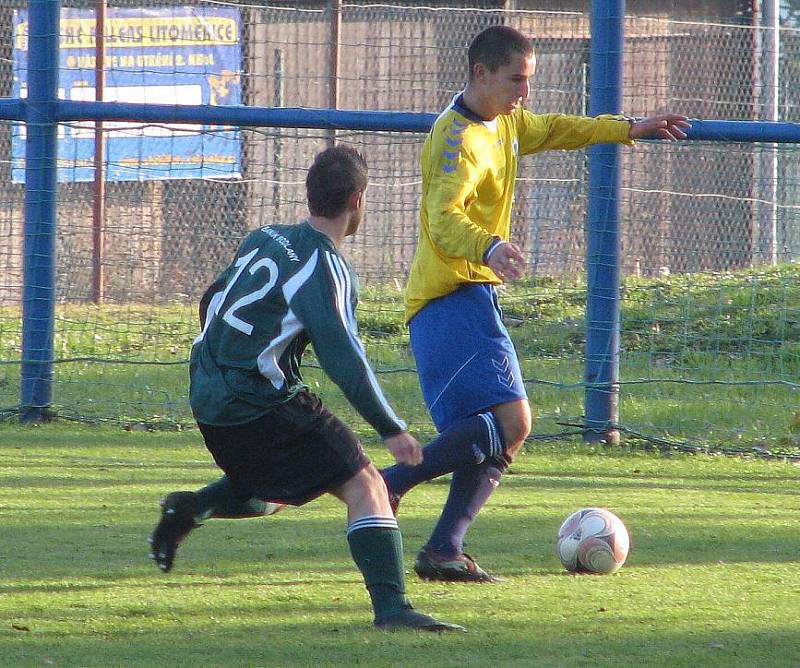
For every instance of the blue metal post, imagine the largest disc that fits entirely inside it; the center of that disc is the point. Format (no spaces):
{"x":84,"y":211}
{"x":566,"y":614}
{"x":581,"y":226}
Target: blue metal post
{"x":38,"y":294}
{"x":603,"y":243}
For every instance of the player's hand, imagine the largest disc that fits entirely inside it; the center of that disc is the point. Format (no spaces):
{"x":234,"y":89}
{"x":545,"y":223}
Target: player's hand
{"x":405,"y":448}
{"x":663,"y":126}
{"x":507,"y":261}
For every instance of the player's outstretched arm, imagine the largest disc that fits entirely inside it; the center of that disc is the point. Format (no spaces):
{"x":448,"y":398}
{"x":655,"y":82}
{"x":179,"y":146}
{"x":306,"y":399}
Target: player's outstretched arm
{"x":405,"y":448}
{"x":663,"y":126}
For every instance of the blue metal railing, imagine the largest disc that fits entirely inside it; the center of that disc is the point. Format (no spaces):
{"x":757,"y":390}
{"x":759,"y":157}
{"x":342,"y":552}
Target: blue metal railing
{"x":39,"y":289}
{"x":601,"y":372}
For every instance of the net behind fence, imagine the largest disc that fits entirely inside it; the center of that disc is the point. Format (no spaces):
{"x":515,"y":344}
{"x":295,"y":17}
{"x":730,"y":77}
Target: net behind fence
{"x":711,"y":231}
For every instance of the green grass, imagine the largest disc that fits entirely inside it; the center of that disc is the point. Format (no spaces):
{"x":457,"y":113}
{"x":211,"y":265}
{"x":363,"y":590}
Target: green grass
{"x":708,"y":360}
{"x":711,"y":579}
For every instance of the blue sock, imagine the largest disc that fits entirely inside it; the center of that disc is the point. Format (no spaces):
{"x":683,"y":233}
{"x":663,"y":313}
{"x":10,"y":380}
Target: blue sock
{"x":469,"y":491}
{"x":466,"y":443}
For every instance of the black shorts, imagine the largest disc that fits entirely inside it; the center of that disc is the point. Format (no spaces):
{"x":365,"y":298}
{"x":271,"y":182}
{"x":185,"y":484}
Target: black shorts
{"x":293,"y":454}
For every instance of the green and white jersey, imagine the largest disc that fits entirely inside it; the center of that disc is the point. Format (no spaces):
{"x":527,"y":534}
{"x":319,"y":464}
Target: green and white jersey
{"x":287,"y":287}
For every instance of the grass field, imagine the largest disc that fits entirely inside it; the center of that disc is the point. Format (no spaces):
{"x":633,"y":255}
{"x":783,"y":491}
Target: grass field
{"x":711,"y":579}
{"x":712,"y":575}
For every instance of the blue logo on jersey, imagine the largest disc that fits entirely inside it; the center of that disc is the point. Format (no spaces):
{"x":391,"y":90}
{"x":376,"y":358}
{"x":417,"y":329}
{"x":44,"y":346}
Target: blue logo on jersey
{"x":453,"y":139}
{"x":515,"y":146}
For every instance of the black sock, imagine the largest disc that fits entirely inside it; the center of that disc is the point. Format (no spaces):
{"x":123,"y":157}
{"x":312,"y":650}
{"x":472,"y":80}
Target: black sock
{"x":219,"y":499}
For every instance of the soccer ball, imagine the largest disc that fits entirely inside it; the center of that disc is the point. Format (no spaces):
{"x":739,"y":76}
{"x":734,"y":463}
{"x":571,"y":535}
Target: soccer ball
{"x":593,"y":540}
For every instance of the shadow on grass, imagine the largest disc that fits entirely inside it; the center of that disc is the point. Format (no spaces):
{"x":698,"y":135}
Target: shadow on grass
{"x":293,"y":543}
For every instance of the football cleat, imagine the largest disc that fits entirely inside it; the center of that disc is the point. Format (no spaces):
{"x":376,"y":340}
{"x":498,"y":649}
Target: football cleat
{"x":178,"y":510}
{"x":430,"y":565}
{"x":410,"y":619}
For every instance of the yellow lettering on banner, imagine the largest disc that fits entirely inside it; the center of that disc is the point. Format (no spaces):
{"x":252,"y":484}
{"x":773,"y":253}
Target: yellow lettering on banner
{"x":201,"y":59}
{"x":88,"y":62}
{"x":155,"y":60}
{"x":138,"y":32}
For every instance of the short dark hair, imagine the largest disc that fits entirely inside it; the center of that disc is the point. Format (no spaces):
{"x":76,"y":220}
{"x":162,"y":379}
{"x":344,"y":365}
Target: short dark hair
{"x":494,"y":47}
{"x":336,"y":174}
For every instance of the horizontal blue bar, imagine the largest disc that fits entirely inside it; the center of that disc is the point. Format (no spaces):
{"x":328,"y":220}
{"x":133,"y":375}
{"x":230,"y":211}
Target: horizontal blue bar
{"x":342,"y":119}
{"x":745,"y":131}
{"x":276,"y":117}
{"x":12,"y":109}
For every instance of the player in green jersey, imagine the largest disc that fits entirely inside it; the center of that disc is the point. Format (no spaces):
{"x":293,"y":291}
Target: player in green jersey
{"x":289,"y":286}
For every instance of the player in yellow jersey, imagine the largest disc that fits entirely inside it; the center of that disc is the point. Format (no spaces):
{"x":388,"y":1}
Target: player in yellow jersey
{"x":468,"y":368}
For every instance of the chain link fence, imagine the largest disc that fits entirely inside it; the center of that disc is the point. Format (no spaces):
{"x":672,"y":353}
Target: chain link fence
{"x":714,"y":208}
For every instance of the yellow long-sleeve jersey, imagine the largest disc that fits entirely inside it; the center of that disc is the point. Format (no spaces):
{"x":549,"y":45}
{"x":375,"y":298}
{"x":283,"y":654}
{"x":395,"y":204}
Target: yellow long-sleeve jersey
{"x":469,"y":168}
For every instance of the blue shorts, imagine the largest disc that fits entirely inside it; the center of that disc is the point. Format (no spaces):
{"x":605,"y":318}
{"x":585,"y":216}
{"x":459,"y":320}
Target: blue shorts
{"x":465,"y":359}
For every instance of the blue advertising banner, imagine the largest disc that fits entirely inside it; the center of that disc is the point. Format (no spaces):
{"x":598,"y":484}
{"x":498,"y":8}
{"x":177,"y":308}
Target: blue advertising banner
{"x":175,"y":55}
